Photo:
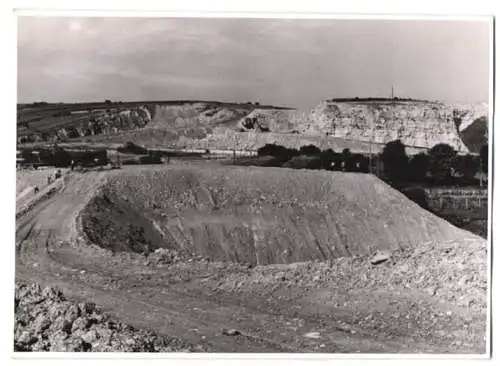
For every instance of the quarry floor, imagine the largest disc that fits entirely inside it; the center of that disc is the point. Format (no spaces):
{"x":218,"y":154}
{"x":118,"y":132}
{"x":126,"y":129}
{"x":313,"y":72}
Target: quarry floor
{"x":345,"y":305}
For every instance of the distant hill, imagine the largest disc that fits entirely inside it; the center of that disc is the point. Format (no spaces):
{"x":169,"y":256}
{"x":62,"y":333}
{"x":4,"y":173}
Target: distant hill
{"x":360,"y":124}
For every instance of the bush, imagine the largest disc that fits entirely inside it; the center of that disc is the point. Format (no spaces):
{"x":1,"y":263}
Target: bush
{"x":359,"y":163}
{"x":310,"y":150}
{"x":60,"y":157}
{"x":304,"y":162}
{"x":484,"y":159}
{"x":355,"y":163}
{"x":151,"y":158}
{"x":442,"y":158}
{"x":131,"y":148}
{"x":467,"y":166}
{"x":281,"y":153}
{"x":395,"y":161}
{"x":348,"y":163}
{"x":418,"y":167}
{"x":329,"y":159}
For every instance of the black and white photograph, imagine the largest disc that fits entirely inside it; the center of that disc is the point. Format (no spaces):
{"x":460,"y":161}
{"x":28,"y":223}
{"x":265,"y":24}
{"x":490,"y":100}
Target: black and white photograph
{"x":253,"y":185}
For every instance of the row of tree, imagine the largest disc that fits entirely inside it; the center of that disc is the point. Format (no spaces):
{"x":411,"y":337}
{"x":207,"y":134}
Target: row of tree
{"x":440,"y":165}
{"x":317,"y":158}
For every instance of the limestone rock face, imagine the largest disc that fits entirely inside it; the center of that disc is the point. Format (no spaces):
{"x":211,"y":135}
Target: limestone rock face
{"x":361,"y":125}
{"x":417,"y":124}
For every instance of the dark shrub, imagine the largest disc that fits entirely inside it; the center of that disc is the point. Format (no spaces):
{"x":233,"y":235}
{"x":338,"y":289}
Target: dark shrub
{"x":442,"y":158}
{"x":131,"y":148}
{"x":281,"y":153}
{"x":359,"y":163}
{"x":484,"y":159}
{"x":310,"y":150}
{"x":348,"y":162}
{"x":60,"y":157}
{"x":467,"y":166}
{"x":418,"y":167}
{"x":327,"y":159}
{"x":330,"y":160}
{"x":395,"y":161}
{"x":304,"y":162}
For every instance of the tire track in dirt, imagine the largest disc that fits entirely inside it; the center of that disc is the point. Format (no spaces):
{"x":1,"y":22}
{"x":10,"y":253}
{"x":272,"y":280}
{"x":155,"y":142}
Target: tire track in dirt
{"x":177,"y":315}
{"x":37,"y":253}
{"x":145,"y":303}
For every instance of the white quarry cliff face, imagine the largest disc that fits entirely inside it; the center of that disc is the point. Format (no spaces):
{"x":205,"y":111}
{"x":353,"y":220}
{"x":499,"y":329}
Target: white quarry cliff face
{"x":468,"y":113}
{"x":417,"y":124}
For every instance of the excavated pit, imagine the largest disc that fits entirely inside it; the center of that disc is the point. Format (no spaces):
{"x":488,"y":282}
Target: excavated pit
{"x":257,"y":216}
{"x":115,"y":225}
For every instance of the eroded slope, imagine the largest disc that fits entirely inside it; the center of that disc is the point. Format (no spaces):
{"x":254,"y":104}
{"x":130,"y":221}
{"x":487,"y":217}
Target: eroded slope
{"x":250,"y":215}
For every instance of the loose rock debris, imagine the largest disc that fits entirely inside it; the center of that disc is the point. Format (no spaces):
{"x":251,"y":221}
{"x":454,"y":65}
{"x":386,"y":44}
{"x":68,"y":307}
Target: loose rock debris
{"x":231,"y":332}
{"x":314,"y":335}
{"x":46,"y":321}
{"x":380,"y":257}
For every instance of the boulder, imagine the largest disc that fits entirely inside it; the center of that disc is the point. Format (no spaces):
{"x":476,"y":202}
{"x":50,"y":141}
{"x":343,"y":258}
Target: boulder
{"x":380,"y":257}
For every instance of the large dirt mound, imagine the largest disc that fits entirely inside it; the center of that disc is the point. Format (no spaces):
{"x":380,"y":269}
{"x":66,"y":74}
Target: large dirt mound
{"x":257,"y":216}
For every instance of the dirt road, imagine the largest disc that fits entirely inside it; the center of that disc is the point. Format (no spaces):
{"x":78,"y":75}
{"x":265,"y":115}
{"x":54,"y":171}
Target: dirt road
{"x":182,"y":300}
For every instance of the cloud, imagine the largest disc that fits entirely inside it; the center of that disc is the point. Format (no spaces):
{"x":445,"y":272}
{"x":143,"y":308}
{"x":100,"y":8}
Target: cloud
{"x":293,"y":62}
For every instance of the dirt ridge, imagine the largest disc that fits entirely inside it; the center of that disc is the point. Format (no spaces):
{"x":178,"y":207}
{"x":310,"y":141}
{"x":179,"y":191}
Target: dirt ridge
{"x":240,"y":214}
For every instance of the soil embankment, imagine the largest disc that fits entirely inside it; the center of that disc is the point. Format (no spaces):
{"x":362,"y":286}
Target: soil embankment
{"x":255,"y":216}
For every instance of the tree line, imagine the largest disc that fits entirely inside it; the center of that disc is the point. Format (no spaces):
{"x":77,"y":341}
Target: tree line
{"x":440,"y":165}
{"x":315,"y":158}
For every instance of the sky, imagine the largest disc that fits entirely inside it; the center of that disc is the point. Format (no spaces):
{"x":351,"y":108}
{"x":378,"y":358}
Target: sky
{"x":288,"y":62}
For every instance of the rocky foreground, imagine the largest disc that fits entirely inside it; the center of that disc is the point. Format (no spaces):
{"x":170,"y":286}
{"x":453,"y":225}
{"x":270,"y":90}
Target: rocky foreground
{"x":46,"y":321}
